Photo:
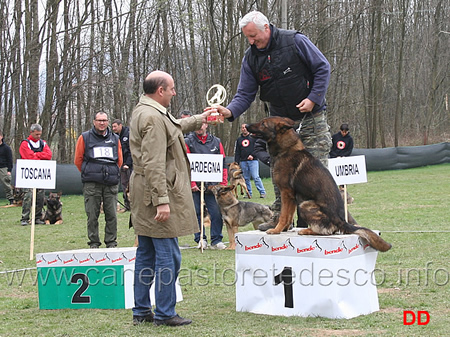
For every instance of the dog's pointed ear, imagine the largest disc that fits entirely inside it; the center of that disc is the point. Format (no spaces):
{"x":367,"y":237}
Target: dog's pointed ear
{"x":286,"y":124}
{"x":290,"y":124}
{"x":296,"y":125}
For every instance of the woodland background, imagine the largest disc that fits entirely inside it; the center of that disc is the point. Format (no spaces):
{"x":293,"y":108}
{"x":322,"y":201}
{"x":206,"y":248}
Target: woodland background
{"x":61,"y":61}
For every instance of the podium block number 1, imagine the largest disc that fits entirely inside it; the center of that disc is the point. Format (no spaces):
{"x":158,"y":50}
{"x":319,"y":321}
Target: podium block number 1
{"x":285,"y":277}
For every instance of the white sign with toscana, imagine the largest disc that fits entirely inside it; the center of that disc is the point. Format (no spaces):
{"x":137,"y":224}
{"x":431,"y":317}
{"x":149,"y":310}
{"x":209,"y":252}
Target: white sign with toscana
{"x":36,"y":174}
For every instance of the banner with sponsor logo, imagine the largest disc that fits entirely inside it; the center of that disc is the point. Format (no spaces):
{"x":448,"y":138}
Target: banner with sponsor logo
{"x":89,"y":278}
{"x":294,"y":275}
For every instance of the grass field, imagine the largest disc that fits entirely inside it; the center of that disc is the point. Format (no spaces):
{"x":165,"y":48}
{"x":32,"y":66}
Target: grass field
{"x":410,"y":207}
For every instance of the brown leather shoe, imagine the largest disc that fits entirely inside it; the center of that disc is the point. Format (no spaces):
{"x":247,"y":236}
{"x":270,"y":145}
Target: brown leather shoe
{"x":174,"y":321}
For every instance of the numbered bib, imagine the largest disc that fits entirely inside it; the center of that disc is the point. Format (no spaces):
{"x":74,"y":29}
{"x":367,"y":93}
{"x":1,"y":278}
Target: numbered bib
{"x":103,"y":152}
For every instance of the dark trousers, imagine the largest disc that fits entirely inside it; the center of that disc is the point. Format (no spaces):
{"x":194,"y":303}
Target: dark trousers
{"x":215,"y":215}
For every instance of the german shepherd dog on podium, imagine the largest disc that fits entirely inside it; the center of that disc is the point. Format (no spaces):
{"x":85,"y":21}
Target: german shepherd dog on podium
{"x":304,"y":181}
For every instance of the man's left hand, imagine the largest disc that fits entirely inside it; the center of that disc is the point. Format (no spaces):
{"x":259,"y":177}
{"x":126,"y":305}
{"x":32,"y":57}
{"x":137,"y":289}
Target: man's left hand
{"x":306,"y":105}
{"x":162,"y":212}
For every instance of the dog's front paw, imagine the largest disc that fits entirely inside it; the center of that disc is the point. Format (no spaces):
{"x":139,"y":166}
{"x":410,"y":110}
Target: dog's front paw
{"x":272,"y":231}
{"x":306,"y":231}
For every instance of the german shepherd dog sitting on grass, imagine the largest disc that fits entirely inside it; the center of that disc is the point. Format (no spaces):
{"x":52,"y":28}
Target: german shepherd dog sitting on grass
{"x":304,"y":181}
{"x":53,"y":213}
{"x":237,"y":213}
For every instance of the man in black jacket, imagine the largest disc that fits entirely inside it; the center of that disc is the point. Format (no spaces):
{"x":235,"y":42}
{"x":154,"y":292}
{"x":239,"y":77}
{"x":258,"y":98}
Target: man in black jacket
{"x":244,"y":156}
{"x":6,"y":165}
{"x":98,"y":156}
{"x":127,"y":167}
{"x":342,"y":143}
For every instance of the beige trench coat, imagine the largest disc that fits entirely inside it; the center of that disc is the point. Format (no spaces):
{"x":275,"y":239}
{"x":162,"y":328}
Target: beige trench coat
{"x":161,"y":171}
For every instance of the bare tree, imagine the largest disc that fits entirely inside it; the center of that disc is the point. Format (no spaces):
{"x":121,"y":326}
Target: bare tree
{"x":389,"y":60}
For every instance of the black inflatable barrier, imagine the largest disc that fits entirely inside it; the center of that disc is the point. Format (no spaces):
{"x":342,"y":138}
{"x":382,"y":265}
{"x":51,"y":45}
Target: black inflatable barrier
{"x":68,"y":179}
{"x":403,"y":157}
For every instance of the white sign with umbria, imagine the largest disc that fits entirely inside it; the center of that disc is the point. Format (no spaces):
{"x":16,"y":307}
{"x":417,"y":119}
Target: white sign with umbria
{"x":206,"y":167}
{"x":348,"y":170}
{"x":36,"y":174}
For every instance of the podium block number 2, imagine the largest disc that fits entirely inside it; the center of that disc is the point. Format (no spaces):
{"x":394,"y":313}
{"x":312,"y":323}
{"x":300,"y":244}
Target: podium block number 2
{"x":285,"y":277}
{"x":78,"y":296}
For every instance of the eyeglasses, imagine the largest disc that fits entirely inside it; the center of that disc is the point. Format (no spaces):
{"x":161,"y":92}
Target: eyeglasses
{"x":102,"y":120}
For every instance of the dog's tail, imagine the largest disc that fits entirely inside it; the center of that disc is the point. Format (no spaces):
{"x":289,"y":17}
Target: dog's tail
{"x":371,"y":237}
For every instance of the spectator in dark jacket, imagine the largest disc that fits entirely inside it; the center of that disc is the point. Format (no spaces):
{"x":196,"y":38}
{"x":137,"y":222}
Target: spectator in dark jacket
{"x":203,"y":142}
{"x":244,"y":156}
{"x":6,"y":165}
{"x":127,"y":167}
{"x":342,"y":143}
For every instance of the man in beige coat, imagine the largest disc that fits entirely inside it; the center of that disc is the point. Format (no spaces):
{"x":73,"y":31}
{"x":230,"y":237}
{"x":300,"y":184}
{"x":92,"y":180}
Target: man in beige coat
{"x":162,"y":208}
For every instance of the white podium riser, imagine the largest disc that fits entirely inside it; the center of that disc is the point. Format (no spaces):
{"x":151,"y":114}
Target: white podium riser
{"x":292,"y":275}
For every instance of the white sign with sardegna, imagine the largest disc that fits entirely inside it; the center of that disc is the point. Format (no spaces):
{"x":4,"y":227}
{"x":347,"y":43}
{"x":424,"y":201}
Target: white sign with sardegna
{"x":206,"y":167}
{"x":36,"y":174}
{"x":348,"y":170}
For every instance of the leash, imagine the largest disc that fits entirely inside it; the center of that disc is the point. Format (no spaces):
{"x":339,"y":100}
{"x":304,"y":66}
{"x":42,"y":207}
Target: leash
{"x":301,"y":122}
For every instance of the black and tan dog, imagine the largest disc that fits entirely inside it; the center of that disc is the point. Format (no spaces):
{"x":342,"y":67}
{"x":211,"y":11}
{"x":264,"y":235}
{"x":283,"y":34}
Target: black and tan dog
{"x":237,"y":179}
{"x":237,"y":213}
{"x":18,"y":195}
{"x":304,"y":181}
{"x":53,"y":213}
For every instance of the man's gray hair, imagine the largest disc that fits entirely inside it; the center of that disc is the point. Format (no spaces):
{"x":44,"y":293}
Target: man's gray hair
{"x":258,"y":18}
{"x":35,"y":127}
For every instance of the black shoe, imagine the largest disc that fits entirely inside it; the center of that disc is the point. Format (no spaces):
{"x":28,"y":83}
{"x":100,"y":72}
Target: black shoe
{"x":11,"y":201}
{"x":39,"y":222}
{"x":111,"y":245}
{"x":93,"y":246}
{"x":142,"y":319}
{"x":174,"y":321}
{"x":24,"y":222}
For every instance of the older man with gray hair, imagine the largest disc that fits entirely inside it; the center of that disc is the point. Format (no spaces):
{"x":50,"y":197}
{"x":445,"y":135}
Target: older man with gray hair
{"x":36,"y":149}
{"x":292,"y":76}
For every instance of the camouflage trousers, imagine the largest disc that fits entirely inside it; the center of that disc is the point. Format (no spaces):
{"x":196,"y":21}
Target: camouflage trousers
{"x":315,"y":134}
{"x":27,"y":203}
